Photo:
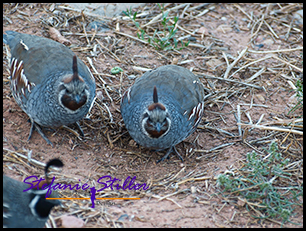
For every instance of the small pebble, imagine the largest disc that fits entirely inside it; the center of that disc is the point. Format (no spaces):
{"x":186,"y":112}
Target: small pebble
{"x":100,"y":95}
{"x":71,"y":222}
{"x":131,"y":77}
{"x":122,"y":217}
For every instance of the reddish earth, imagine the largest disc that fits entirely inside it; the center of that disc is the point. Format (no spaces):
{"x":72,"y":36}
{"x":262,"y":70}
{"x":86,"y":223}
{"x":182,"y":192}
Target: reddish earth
{"x":107,"y":148}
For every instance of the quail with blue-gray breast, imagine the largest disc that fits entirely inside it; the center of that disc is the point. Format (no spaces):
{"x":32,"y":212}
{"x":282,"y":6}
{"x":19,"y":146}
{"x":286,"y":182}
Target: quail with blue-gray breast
{"x":163,"y":107}
{"x":50,"y":84}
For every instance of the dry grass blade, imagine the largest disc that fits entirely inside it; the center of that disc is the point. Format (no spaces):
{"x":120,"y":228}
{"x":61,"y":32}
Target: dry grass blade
{"x":25,"y":157}
{"x":262,"y":70}
{"x":285,"y":122}
{"x":239,"y":120}
{"x":204,"y":12}
{"x":169,"y":195}
{"x":236,"y":5}
{"x":262,"y":127}
{"x":72,"y":131}
{"x":79,"y":11}
{"x":140,"y":15}
{"x":270,"y":28}
{"x":234,"y":81}
{"x":287,"y":63}
{"x":132,"y":37}
{"x":252,"y":63}
{"x":230,"y":67}
{"x":260,"y":21}
{"x":191,"y":33}
{"x":276,"y":51}
{"x":112,"y":54}
{"x":156,"y":18}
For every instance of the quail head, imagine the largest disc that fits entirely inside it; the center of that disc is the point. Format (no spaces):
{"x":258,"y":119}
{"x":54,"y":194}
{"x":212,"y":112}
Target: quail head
{"x":29,"y":209}
{"x":163,"y":107}
{"x":50,"y":84}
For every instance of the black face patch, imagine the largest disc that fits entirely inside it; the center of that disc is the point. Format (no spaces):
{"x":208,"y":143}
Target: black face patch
{"x":153,"y":133}
{"x":70,"y":102}
{"x":156,"y":120}
{"x":145,"y":115}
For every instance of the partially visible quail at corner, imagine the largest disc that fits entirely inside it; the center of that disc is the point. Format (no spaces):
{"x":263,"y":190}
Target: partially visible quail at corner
{"x":50,"y":84}
{"x":29,"y":209}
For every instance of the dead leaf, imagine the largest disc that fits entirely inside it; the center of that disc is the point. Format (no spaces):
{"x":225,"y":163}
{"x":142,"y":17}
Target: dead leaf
{"x":260,"y":98}
{"x":100,"y":95}
{"x":240,"y":203}
{"x":174,"y":61}
{"x":224,"y":28}
{"x":56,"y":35}
{"x":213,"y":63}
{"x":193,"y":189}
{"x":203,"y":30}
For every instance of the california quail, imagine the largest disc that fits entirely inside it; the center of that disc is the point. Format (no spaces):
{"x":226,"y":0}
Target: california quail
{"x":27,"y":209}
{"x":50,"y":84}
{"x":163,"y":107}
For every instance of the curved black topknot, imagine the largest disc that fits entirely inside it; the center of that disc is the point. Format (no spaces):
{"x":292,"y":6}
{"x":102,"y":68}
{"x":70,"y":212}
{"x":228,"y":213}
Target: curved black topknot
{"x":75,"y":68}
{"x":155,"y":97}
{"x":53,"y":162}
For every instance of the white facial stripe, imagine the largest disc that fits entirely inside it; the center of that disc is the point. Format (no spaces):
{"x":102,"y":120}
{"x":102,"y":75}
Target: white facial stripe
{"x":144,"y":121}
{"x":33,"y":204}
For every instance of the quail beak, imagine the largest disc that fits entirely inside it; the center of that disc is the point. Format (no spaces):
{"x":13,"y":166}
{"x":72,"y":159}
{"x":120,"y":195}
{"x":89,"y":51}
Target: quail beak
{"x":158,"y":127}
{"x":77,"y":98}
{"x":58,"y":202}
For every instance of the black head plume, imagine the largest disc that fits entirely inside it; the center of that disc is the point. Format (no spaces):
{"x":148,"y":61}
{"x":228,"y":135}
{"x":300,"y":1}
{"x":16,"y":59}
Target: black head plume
{"x":54,"y":162}
{"x":75,"y":68}
{"x":155,"y":97}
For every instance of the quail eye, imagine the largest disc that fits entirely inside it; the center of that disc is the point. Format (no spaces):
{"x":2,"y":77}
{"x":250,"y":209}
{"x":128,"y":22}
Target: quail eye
{"x":62,"y":87}
{"x":68,"y":91}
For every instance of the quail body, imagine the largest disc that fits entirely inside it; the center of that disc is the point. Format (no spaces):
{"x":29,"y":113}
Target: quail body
{"x":163,"y":107}
{"x":29,"y":209}
{"x":50,"y":84}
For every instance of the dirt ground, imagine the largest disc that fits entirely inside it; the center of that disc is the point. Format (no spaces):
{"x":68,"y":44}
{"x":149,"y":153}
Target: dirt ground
{"x":180,"y":194}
